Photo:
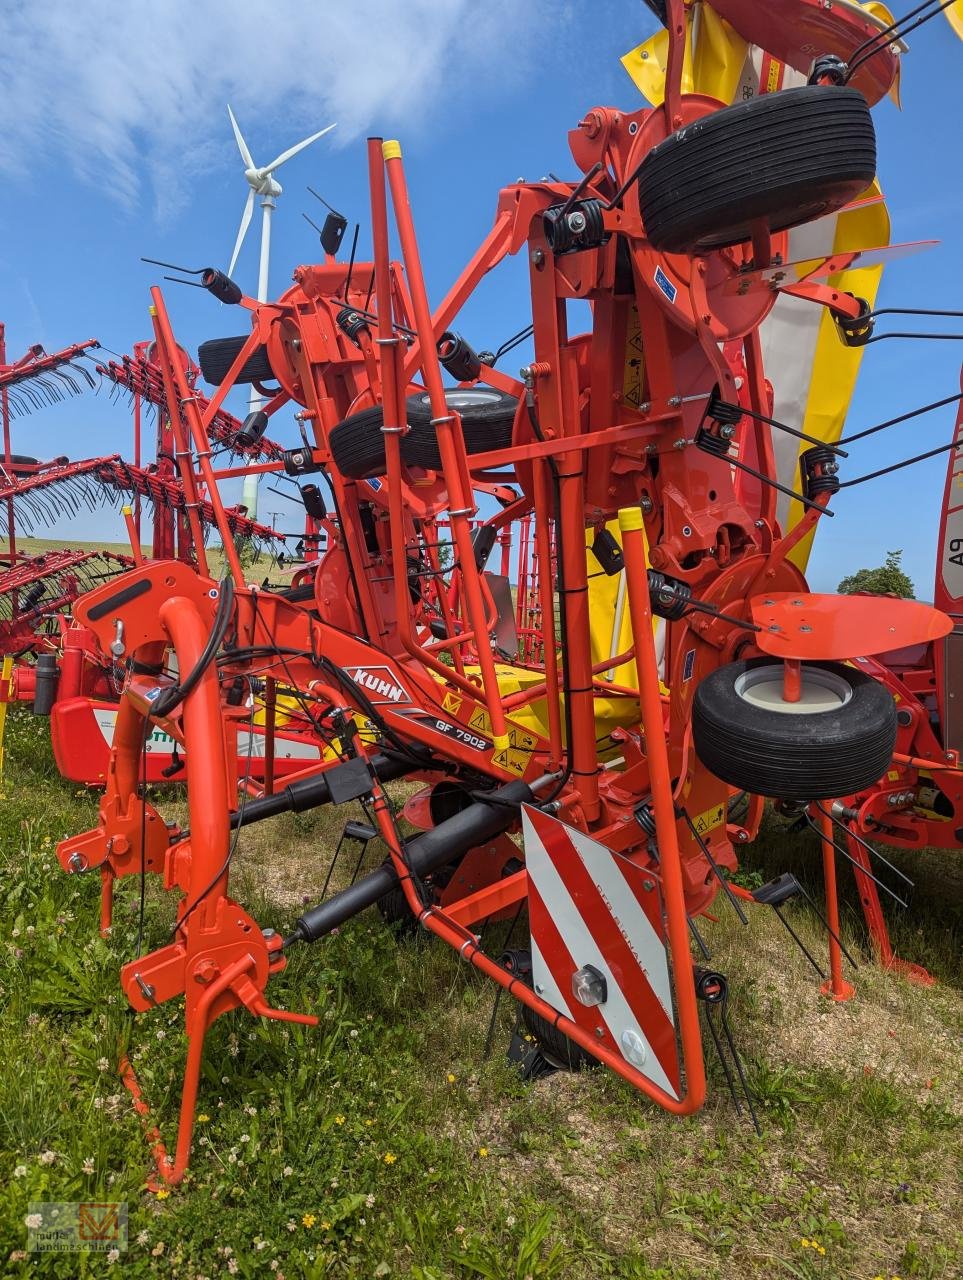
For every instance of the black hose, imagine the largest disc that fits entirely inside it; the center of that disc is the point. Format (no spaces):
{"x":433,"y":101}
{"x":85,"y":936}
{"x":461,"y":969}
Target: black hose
{"x":175,"y":694}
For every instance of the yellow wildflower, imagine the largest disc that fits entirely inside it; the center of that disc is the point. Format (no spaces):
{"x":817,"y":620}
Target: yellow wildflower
{"x":309,"y":1220}
{"x":483,"y":1152}
{"x":389,"y":1157}
{"x":163,"y":1193}
{"x":203,"y":1119}
{"x":451,"y":1078}
{"x":339,"y":1119}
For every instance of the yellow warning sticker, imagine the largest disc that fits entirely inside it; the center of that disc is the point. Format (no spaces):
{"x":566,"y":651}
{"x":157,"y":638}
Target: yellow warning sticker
{"x":710,"y":819}
{"x":518,"y":753}
{"x":481,"y":721}
{"x":633,"y":379}
{"x":893,"y":775}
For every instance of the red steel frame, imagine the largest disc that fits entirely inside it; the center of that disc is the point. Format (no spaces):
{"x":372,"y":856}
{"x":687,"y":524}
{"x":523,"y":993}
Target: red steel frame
{"x":577,"y":447}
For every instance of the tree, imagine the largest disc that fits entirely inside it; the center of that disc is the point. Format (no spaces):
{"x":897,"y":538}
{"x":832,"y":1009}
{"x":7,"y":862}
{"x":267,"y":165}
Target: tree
{"x":888,"y":580}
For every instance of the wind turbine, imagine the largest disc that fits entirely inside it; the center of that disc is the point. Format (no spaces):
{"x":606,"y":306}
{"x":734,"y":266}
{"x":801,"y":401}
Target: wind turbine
{"x":261,"y":182}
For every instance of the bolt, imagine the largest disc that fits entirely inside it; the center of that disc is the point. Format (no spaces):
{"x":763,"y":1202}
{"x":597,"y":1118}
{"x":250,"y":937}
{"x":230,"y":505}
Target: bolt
{"x":679,"y":444}
{"x":599,"y":1032}
{"x":76,"y":863}
{"x":727,"y":432}
{"x":205,"y":971}
{"x":577,"y":221}
{"x":774,"y":627}
{"x":646,"y":504}
{"x":805,"y":628}
{"x":538,"y":989}
{"x":648,"y":885}
{"x":768,"y":602}
{"x":760,"y":524}
{"x":538,"y":258}
{"x":742,"y":835}
{"x":268,"y":933}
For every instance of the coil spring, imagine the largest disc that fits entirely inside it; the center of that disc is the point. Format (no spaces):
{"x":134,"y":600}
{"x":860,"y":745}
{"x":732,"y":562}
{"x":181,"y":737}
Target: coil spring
{"x":351,"y":323}
{"x":709,"y":442}
{"x":581,"y":227}
{"x":668,"y":597}
{"x":645,"y":817}
{"x":825,"y":480}
{"x":710,"y":986}
{"x":458,"y":357}
{"x":856,"y":331}
{"x":722,"y":411}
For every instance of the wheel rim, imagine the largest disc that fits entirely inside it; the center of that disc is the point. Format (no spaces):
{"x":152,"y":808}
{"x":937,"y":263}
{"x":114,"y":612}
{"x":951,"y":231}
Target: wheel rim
{"x":821,"y":691}
{"x":467,"y":397}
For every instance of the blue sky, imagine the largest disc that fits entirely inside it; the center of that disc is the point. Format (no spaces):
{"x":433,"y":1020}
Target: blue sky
{"x":115,"y":143}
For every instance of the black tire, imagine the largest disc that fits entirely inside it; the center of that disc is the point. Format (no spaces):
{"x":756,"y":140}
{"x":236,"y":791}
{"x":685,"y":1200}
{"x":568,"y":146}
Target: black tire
{"x":787,"y":754}
{"x":782,"y":158}
{"x":218,"y":354}
{"x":18,"y":461}
{"x":487,"y":416}
{"x":556,"y":1047}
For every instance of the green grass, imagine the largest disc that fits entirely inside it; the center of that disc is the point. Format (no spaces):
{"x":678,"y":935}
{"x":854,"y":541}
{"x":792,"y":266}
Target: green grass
{"x":382,"y":1144}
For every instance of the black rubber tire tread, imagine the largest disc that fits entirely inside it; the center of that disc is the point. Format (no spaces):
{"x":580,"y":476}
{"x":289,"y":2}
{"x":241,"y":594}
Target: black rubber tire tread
{"x":218,"y":354}
{"x":784,"y":158}
{"x":19,"y":460}
{"x":556,"y":1047}
{"x":786,"y":756}
{"x":357,"y":444}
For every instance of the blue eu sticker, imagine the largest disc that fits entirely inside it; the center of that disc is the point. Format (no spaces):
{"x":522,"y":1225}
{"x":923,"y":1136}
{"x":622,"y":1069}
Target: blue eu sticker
{"x":375,"y":484}
{"x":665,"y":284}
{"x":688,"y":664}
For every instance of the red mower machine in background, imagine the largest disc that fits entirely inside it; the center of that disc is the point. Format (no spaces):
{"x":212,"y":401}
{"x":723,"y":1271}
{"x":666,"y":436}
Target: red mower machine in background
{"x":616,"y":766}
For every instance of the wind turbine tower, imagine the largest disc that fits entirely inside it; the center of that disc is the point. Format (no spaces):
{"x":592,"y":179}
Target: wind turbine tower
{"x":261,"y":182}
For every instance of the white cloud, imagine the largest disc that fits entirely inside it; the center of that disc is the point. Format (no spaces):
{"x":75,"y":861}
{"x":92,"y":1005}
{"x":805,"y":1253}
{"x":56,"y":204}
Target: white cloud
{"x":120,"y":91}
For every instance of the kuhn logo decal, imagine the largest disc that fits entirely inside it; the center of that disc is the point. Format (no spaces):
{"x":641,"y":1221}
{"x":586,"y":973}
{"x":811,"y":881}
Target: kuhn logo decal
{"x":379,"y":683}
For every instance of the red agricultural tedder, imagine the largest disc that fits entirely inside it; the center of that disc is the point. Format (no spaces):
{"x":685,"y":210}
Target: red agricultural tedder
{"x":639,"y":452}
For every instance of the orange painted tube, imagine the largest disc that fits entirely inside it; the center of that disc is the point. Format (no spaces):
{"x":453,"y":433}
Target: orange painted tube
{"x":660,"y":780}
{"x":451,"y":446}
{"x":208,"y":791}
{"x":836,"y":986}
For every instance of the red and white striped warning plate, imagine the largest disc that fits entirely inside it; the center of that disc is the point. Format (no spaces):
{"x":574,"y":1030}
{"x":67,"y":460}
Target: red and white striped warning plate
{"x":588,"y":906}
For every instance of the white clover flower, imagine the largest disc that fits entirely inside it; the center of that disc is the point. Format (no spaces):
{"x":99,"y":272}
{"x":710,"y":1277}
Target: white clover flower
{"x":34,"y":1221}
{"x":113,"y":1255}
{"x":20,"y":1171}
{"x":48,"y":1157}
{"x":88,"y":1165}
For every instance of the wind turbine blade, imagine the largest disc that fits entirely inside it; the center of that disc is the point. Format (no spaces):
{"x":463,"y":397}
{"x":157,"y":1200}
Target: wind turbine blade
{"x":241,"y":144}
{"x":242,"y":229}
{"x":293,"y":151}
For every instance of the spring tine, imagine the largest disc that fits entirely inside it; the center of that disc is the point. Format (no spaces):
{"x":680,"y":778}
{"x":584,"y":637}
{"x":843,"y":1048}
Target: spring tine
{"x":868,"y":847}
{"x":738,"y":1063}
{"x":711,"y":1024}
{"x":798,"y":941}
{"x":852,"y":861}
